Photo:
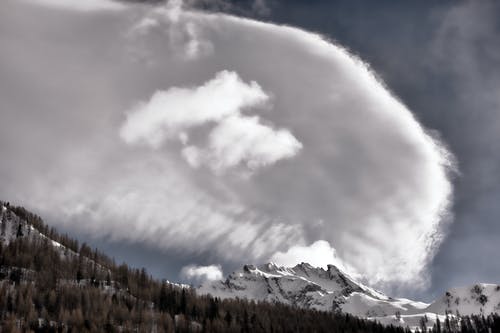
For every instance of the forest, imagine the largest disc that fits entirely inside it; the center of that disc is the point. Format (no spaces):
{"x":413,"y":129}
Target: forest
{"x":68,"y":287}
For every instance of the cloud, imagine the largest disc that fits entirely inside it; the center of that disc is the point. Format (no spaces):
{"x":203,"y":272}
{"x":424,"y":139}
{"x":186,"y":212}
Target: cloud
{"x":369,"y":179}
{"x":80,"y":5}
{"x":243,"y":140}
{"x":171,"y":112}
{"x":185,"y":39}
{"x":318,"y":254}
{"x":200,"y":274}
{"x":236,"y":140}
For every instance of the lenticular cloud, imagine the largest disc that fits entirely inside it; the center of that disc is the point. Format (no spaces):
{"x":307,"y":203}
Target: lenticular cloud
{"x":225,"y":136}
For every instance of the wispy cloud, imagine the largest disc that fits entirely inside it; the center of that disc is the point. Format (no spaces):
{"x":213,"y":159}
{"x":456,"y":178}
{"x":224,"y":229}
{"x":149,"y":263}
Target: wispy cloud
{"x":185,"y":39}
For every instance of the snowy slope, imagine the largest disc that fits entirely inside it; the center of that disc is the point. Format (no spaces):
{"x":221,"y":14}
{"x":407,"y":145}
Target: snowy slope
{"x":477,"y":299}
{"x":309,"y":287}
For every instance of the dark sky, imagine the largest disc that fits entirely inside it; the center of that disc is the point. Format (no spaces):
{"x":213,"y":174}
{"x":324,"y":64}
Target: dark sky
{"x":67,"y":97}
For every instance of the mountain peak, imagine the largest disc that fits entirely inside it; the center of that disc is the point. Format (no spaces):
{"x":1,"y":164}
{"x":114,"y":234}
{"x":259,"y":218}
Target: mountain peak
{"x":306,"y":286}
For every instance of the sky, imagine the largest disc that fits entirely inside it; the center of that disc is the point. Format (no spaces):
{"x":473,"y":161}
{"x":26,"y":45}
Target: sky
{"x":192,"y":138}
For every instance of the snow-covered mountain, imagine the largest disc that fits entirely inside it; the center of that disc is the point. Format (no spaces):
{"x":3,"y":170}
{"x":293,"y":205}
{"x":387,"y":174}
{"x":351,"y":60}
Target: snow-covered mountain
{"x":309,"y":287}
{"x":331,"y":289}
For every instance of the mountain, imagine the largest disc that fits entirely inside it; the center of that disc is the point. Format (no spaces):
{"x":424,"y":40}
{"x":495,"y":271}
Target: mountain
{"x":331,"y":289}
{"x":308,"y":287}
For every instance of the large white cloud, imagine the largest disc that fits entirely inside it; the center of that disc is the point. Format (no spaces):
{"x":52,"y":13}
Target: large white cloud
{"x":235,"y":140}
{"x":355,"y":169}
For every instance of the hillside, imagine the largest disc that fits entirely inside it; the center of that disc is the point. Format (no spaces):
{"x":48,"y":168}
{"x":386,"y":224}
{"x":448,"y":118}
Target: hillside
{"x":481,"y":298}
